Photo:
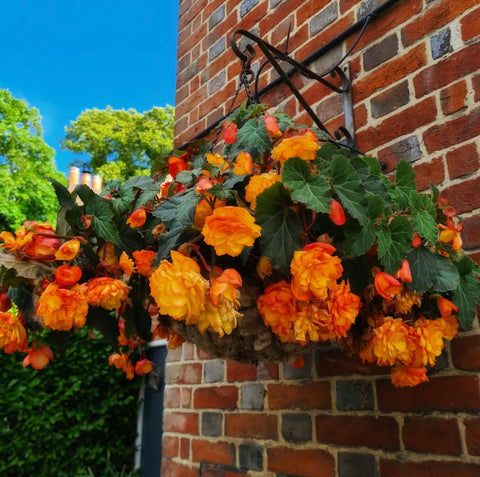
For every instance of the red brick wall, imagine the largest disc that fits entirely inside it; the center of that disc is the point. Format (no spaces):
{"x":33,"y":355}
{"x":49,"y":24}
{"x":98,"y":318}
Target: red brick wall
{"x":416,"y":90}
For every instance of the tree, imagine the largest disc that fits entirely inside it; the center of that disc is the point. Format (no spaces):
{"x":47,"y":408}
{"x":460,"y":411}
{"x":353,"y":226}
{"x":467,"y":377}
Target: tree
{"x":25,"y":162}
{"x":120,"y":143}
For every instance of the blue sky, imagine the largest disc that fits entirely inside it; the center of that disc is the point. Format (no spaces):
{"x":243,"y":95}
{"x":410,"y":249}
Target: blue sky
{"x":65,"y":56}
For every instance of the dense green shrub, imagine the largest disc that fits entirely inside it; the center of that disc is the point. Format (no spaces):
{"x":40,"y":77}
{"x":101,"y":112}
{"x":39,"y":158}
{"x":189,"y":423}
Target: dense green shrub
{"x":76,"y":417}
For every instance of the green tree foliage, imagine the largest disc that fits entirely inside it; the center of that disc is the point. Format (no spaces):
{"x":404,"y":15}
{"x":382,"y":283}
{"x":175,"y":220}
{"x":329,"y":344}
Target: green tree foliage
{"x":120,"y":143}
{"x":76,"y":417}
{"x":25,"y":161}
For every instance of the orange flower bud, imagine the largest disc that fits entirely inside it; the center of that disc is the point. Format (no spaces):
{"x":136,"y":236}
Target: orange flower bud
{"x":143,"y":366}
{"x":336,"y":214}
{"x":38,"y":356}
{"x":386,"y":285}
{"x":68,"y":276}
{"x":271,"y":125}
{"x":229,"y":132}
{"x":404,"y":273}
{"x":446,"y":307}
{"x":416,"y":240}
{"x":225,"y":285}
{"x":41,"y":246}
{"x":137,"y":218}
{"x":176,"y":165}
{"x":68,"y":251}
{"x":264,"y":267}
{"x":203,"y":185}
{"x":87,"y":221}
{"x":243,"y":164}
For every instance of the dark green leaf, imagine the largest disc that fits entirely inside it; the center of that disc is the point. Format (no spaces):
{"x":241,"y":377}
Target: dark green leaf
{"x":359,"y":240}
{"x":104,"y":322}
{"x":348,"y":188}
{"x":167,"y":242}
{"x":376,"y":206}
{"x":423,"y":267}
{"x":142,"y":321}
{"x":85,"y":193}
{"x":185,"y":177}
{"x":185,"y":210}
{"x":139,"y":182}
{"x":102,"y":220}
{"x":281,"y":226}
{"x":425,"y":225}
{"x":311,"y":190}
{"x":465,"y":301}
{"x":405,"y":183}
{"x":465,"y":266}
{"x":327,"y":151}
{"x":147,"y":196}
{"x":254,"y":134}
{"x":64,"y":197}
{"x":123,"y":203}
{"x":447,"y":276}
{"x":221,"y":192}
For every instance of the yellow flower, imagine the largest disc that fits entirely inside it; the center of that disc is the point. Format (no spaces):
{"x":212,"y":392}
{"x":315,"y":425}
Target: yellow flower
{"x":314,"y":271}
{"x":304,"y":146}
{"x":258,"y":184}
{"x":243,"y":164}
{"x":178,"y":287}
{"x":312,"y":322}
{"x":106,"y":292}
{"x":68,"y":251}
{"x":229,"y":229}
{"x":61,"y":308}
{"x":225,"y":285}
{"x":221,"y":317}
{"x":343,"y":307}
{"x":13,"y":336}
{"x":204,"y":209}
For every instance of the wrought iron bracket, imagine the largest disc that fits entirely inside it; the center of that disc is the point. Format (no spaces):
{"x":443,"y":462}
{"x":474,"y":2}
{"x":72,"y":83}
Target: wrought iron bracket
{"x":274,"y":56}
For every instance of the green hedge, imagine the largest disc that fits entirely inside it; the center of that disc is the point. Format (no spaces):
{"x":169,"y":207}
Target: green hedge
{"x":76,"y":417}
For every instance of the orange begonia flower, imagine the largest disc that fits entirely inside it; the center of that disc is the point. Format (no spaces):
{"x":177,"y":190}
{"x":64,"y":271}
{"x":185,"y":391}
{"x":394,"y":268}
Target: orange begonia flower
{"x":107,"y":255}
{"x":67,"y":276}
{"x":449,"y":322}
{"x":243,"y":164}
{"x":68,"y":251}
{"x":126,"y":264}
{"x":336,"y":214}
{"x":215,"y":159}
{"x":431,"y":341}
{"x":122,"y":361}
{"x":226,"y":284}
{"x":451,"y":234}
{"x":404,"y":273}
{"x":178,"y":288}
{"x":277,"y":308}
{"x":203,"y":185}
{"x":13,"y":336}
{"x":175,"y":340}
{"x":386,"y":285}
{"x":229,"y":229}
{"x":106,"y":292}
{"x":38,"y":356}
{"x":271,"y":125}
{"x":230,"y":130}
{"x":416,"y":240}
{"x":408,"y":376}
{"x":41,"y":247}
{"x":221,"y":317}
{"x":446,"y":307}
{"x":143,"y":366}
{"x":264,"y":267}
{"x":258,"y":184}
{"x":61,"y":308}
{"x":143,"y":261}
{"x":343,"y":307}
{"x":314,"y":271}
{"x":176,"y":165}
{"x":405,"y":300}
{"x":137,"y":218}
{"x":304,"y":146}
{"x":17,"y":242}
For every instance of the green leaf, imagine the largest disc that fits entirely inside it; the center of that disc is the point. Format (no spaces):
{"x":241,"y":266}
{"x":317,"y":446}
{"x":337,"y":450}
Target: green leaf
{"x":376,"y":206}
{"x":359,"y":240}
{"x":425,"y":225}
{"x":463,"y":298}
{"x":281,"y":227}
{"x":185,"y":210}
{"x":327,"y":151}
{"x":123,"y":203}
{"x":348,"y":188}
{"x":147,"y":196}
{"x":423,"y":267}
{"x":142,"y":321}
{"x":405,"y":183}
{"x":221,"y":192}
{"x":311,"y":190}
{"x":102,"y":220}
{"x":139,"y":182}
{"x":254,"y":134}
{"x":447,"y":276}
{"x":394,"y":242}
{"x":369,"y":172}
{"x":64,"y":197}
{"x":85,"y":193}
{"x":105,"y":323}
{"x":185,"y":177}
{"x":465,"y":266}
{"x":167,"y":242}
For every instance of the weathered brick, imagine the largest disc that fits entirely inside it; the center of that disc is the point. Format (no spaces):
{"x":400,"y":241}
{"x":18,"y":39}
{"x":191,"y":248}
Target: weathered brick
{"x":217,"y":49}
{"x":421,"y":434}
{"x":216,"y":17}
{"x":213,"y":371}
{"x":389,"y":100}
{"x":308,"y":396}
{"x":429,"y":172}
{"x":463,"y":160}
{"x":212,"y":424}
{"x":188,"y":350}
{"x":453,"y":98}
{"x":464,"y":196}
{"x":381,"y":52}
{"x":217,"y":83}
{"x":301,"y":462}
{"x":215,"y":397}
{"x":174,"y":469}
{"x":470,"y":25}
{"x":407,"y":149}
{"x":215,"y":452}
{"x":354,"y":395}
{"x":297,"y":427}
{"x":437,"y":468}
{"x":185,"y":448}
{"x":183,"y":373}
{"x":440,"y":43}
{"x":250,"y":456}
{"x":440,"y":394}
{"x":171,"y":397}
{"x":471,"y":232}
{"x":240,"y":371}
{"x":322,"y":19}
{"x":374,"y":432}
{"x":295,"y":372}
{"x":186,"y":396}
{"x":472,"y":435}
{"x":252,"y":396}
{"x":353,"y":464}
{"x":246,"y":6}
{"x":267,"y":371}
{"x":184,"y":422}
{"x":169,"y":446}
{"x":466,"y":352}
{"x":248,"y":425}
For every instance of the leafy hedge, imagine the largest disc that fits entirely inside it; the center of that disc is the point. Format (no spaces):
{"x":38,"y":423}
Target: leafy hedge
{"x":76,"y":417}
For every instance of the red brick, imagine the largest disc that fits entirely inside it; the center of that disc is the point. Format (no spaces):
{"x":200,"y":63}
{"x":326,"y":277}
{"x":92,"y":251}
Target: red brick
{"x":202,"y":355}
{"x":471,"y":232}
{"x":185,"y":448}
{"x":232,"y":473}
{"x":463,"y":160}
{"x":307,"y":396}
{"x":476,"y":88}
{"x":431,"y":435}
{"x":216,"y":397}
{"x":188,"y":350}
{"x":464,"y":196}
{"x":169,"y":446}
{"x":307,"y":9}
{"x":369,"y":431}
{"x":301,"y":462}
{"x":266,"y":371}
{"x":470,"y":25}
{"x":429,"y":172}
{"x":183,"y":373}
{"x":466,"y":352}
{"x":475,"y":257}
{"x":240,"y":371}
{"x":258,"y":426}
{"x":215,"y":452}
{"x":449,"y":393}
{"x":447,"y":70}
{"x":184,"y":422}
{"x":338,"y":363}
{"x":186,"y":397}
{"x":391,"y":72}
{"x":453,"y":98}
{"x":404,"y":122}
{"x":472,"y":436}
{"x":434,"y":468}
{"x":171,"y":397}
{"x":448,"y":134}
{"x":434,"y":18}
{"x":174,"y":355}
{"x":174,"y":469}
